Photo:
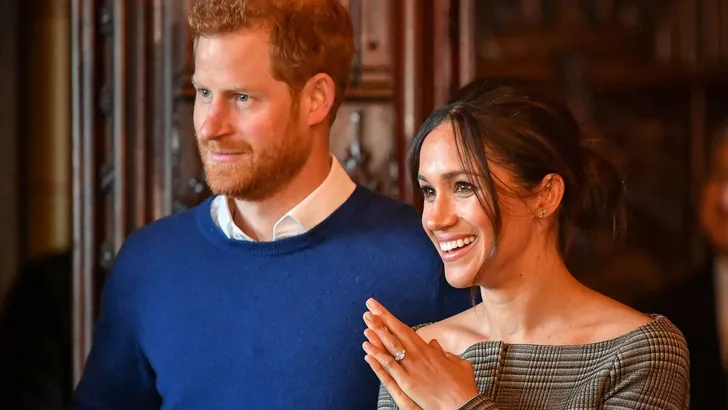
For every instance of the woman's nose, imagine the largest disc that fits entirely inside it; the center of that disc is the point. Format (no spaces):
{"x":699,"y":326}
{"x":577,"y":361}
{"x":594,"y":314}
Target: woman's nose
{"x":439,"y":214}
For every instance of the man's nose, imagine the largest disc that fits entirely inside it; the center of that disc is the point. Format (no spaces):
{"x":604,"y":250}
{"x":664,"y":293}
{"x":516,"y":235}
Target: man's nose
{"x":216,"y":122}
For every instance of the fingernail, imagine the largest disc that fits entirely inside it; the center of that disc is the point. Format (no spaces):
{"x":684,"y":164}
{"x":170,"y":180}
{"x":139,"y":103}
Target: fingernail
{"x":368,"y":316}
{"x":373,"y":306}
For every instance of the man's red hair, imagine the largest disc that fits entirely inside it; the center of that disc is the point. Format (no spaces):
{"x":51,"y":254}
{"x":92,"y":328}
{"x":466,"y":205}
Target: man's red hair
{"x":307,"y":37}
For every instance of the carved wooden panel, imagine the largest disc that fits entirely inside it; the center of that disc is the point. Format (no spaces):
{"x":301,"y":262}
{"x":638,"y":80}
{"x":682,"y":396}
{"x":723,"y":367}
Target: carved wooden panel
{"x":133,"y":155}
{"x":363,"y":135}
{"x":180,"y":178}
{"x":362,"y":138}
{"x":529,"y":37}
{"x":189,"y":186}
{"x":372,"y":68}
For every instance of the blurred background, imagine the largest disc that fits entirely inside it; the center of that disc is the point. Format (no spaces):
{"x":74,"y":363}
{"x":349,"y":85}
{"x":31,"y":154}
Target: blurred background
{"x":96,"y":109}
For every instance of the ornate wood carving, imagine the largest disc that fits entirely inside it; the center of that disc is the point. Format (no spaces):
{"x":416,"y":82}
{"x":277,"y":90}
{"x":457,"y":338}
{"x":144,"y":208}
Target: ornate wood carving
{"x":135,"y":159}
{"x":362,"y":137}
{"x":363,"y":140}
{"x":372,"y":68}
{"x":412,"y":79}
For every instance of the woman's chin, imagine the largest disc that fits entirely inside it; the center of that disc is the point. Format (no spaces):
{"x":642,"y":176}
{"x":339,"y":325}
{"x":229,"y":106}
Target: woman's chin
{"x":459,"y":279}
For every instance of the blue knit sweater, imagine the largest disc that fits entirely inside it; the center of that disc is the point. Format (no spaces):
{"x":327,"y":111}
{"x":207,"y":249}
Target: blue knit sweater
{"x":192,"y":320}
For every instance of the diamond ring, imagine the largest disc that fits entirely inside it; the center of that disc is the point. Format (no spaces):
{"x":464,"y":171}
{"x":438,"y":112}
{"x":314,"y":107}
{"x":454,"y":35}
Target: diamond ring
{"x":399,"y":356}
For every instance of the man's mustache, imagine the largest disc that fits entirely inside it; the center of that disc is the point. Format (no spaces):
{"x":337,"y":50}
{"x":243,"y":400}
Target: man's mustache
{"x":227,"y":147}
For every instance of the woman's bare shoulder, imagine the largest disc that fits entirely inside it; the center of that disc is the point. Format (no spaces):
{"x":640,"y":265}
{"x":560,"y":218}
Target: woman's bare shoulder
{"x":454,"y":334}
{"x":611,"y":318}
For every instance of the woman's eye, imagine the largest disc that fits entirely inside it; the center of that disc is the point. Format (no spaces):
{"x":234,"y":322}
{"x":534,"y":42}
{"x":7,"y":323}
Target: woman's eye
{"x":463,"y":187}
{"x":427,"y":191}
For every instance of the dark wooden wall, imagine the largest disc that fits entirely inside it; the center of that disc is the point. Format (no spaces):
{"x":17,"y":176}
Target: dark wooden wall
{"x":647,"y":76}
{"x":9,"y":141}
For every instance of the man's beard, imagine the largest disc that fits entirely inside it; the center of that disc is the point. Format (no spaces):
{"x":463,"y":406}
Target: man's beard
{"x":255,"y":176}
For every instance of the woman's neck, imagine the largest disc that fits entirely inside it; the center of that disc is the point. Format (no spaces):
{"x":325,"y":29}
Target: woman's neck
{"x":534,"y":301}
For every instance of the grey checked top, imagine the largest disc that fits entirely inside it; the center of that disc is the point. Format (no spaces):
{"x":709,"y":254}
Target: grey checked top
{"x":647,"y":368}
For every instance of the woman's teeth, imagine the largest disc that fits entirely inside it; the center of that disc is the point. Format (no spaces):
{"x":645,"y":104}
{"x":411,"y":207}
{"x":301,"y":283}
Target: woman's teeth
{"x":448,"y":246}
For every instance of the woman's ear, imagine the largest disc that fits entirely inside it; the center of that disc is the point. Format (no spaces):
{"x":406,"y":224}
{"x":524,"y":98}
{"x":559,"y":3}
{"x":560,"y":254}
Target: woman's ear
{"x":548,"y":196}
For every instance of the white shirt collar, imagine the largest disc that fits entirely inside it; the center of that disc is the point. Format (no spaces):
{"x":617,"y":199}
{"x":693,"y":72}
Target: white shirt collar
{"x":317,"y":206}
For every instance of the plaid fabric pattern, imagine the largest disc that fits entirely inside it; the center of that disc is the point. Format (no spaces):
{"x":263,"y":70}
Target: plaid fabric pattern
{"x":647,"y":368}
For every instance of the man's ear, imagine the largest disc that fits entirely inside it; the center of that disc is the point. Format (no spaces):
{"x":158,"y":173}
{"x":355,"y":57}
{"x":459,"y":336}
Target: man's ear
{"x":317,"y":98}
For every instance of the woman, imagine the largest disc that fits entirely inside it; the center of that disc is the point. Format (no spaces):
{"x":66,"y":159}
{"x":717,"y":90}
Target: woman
{"x":507,"y":179}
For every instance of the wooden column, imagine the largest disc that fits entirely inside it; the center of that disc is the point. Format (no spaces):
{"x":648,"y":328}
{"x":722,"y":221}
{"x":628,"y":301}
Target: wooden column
{"x":453,"y":48}
{"x":9,"y":164}
{"x":444,"y":49}
{"x":423,"y":71}
{"x":408,"y":77}
{"x":466,"y":51}
{"x":84,"y":128}
{"x":432,"y":60}
{"x":134,"y":153}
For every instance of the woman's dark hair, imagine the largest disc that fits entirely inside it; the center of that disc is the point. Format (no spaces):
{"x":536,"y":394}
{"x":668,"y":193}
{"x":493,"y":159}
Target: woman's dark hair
{"x":514,"y":125}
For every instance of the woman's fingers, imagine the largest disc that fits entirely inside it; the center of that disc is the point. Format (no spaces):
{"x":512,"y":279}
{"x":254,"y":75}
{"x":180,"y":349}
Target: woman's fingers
{"x":403,"y":402}
{"x":388,"y":341}
{"x":436,"y":345}
{"x":395,"y":326}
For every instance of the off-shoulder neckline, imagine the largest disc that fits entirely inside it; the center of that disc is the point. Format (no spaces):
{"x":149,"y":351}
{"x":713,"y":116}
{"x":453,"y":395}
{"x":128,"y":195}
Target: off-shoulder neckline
{"x":618,"y":340}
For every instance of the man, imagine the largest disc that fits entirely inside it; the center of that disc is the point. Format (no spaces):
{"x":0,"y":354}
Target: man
{"x":254,"y":299}
{"x":699,"y":305}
